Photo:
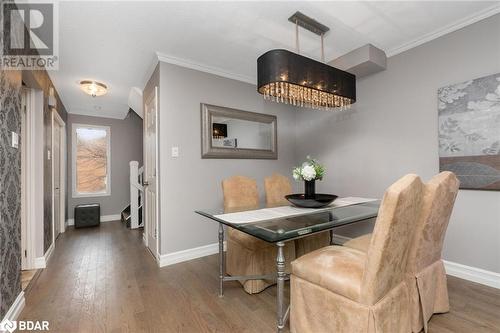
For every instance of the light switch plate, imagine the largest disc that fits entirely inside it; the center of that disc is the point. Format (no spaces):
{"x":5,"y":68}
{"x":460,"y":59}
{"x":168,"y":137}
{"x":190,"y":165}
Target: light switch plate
{"x":175,"y":151}
{"x":15,"y":140}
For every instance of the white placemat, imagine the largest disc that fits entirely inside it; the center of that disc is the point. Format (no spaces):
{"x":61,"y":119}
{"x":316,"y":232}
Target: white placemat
{"x":251,"y":216}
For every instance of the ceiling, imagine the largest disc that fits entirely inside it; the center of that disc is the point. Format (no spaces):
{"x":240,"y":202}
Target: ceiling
{"x":118,"y":43}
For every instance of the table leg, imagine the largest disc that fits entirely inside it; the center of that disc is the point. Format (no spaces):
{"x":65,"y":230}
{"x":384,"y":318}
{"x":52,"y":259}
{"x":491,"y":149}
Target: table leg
{"x":222,"y":260}
{"x":280,"y":265}
{"x":331,"y":236}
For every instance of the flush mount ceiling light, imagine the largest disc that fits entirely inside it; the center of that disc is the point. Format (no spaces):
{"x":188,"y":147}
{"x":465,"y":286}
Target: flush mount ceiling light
{"x":287,"y":77}
{"x":93,"y":88}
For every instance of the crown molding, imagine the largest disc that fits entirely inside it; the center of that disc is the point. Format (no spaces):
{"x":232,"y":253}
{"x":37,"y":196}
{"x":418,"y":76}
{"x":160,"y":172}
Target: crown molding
{"x":481,"y":15}
{"x":204,"y":68}
{"x":87,"y":113}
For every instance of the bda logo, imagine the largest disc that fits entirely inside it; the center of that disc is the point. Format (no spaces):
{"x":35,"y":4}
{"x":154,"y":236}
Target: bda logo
{"x":8,"y":326}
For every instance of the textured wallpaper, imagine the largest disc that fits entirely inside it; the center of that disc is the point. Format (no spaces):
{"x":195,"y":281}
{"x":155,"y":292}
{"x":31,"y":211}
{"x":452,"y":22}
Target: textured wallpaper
{"x":10,"y":190}
{"x":10,"y":175}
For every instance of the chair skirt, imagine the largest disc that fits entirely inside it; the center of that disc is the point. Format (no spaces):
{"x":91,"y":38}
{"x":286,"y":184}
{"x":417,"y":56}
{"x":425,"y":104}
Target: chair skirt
{"x":315,"y":309}
{"x":428,"y":295}
{"x":258,"y":258}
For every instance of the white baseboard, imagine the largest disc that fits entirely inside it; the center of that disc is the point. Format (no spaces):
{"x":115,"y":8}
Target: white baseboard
{"x":110,"y":218}
{"x":15,"y":309}
{"x":190,"y":254}
{"x":41,"y":262}
{"x":469,"y":273}
{"x":461,"y":271}
{"x":473,"y":274}
{"x":104,"y":218}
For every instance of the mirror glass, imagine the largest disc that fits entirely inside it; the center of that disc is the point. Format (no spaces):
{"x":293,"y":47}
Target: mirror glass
{"x":233,"y":133}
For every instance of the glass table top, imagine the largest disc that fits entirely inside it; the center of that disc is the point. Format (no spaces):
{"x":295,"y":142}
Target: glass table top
{"x":302,"y":223}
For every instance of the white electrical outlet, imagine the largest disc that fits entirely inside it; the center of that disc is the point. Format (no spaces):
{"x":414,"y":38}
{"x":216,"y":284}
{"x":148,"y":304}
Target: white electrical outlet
{"x":15,"y":140}
{"x":175,"y":151}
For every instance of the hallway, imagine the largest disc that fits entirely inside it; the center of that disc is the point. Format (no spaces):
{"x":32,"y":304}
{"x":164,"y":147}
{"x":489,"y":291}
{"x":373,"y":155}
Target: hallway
{"x":104,"y":280}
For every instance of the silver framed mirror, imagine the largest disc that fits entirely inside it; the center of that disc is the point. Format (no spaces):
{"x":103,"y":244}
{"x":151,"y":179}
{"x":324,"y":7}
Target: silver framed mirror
{"x":230,"y":133}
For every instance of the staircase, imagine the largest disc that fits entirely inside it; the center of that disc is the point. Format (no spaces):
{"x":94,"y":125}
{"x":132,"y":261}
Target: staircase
{"x":132,"y":215}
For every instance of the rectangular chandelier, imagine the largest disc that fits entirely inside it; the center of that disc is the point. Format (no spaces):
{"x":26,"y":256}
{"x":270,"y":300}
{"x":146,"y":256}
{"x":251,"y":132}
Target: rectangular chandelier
{"x":288,"y":77}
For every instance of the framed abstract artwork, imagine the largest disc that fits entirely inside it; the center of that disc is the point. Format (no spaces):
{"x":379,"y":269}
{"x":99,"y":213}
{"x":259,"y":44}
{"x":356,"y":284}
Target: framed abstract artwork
{"x":469,"y":132}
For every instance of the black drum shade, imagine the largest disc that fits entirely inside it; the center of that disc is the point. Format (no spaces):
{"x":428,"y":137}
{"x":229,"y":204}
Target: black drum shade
{"x":287,"y":77}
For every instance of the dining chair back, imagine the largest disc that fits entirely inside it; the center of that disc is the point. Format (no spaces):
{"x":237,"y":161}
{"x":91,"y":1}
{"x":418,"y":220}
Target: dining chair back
{"x":277,"y":187}
{"x":247,"y":255}
{"x":388,"y":252}
{"x":240,"y":192}
{"x":341,"y":289}
{"x":427,"y":275}
{"x":425,"y":268}
{"x":439,"y":197}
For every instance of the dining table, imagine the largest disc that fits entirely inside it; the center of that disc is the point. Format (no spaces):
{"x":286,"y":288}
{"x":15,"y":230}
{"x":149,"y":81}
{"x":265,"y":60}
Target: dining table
{"x":281,"y":224}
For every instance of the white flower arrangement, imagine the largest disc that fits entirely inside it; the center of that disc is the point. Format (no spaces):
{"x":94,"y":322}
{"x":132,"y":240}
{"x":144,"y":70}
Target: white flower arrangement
{"x":310,"y":170}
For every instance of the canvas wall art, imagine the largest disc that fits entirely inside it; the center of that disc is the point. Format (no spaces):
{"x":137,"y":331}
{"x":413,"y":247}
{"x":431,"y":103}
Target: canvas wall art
{"x":469,"y":132}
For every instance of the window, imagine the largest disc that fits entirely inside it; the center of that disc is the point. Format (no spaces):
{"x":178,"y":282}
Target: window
{"x":91,"y":161}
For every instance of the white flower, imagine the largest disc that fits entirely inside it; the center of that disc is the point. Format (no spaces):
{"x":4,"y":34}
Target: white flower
{"x":308,"y":172}
{"x":296,"y":174}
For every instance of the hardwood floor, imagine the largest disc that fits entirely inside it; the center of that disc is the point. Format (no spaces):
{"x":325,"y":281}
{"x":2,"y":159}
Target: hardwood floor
{"x":104,"y":280}
{"x":26,"y":277}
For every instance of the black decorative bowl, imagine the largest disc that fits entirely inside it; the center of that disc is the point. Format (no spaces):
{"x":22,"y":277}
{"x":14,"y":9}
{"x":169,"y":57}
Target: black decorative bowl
{"x":318,"y":201}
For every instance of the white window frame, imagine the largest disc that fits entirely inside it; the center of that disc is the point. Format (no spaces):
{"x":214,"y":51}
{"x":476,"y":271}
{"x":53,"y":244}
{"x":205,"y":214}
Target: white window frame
{"x":73,"y":158}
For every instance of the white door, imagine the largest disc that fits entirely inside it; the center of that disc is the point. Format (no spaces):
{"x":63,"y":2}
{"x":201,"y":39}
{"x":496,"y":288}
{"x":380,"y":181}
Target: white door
{"x":150,"y":172}
{"x":57,"y":178}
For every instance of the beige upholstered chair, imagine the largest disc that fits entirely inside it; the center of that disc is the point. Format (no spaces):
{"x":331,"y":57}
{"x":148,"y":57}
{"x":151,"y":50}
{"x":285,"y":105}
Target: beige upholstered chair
{"x":247,"y":255}
{"x":427,"y":276}
{"x":277,"y":186}
{"x":340,"y":289}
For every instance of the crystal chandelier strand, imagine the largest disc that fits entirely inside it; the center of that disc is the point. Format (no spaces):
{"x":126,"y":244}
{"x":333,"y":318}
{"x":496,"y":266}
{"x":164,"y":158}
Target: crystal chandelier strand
{"x":284,"y":92}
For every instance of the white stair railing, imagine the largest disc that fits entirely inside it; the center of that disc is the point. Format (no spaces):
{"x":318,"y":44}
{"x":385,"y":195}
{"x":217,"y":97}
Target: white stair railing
{"x":136,"y":194}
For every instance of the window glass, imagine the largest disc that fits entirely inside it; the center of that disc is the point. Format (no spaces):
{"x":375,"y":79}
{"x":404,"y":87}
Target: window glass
{"x":92,"y":150}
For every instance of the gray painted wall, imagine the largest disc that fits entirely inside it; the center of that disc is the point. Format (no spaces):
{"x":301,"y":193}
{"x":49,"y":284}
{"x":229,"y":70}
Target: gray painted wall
{"x":126,"y":146}
{"x":189,"y":182}
{"x":392,"y":131}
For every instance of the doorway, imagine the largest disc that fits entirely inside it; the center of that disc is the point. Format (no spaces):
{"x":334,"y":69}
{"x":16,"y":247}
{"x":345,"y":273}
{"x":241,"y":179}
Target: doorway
{"x":150,"y":171}
{"x":27,"y":148}
{"x":26,"y":258}
{"x":58,"y":175}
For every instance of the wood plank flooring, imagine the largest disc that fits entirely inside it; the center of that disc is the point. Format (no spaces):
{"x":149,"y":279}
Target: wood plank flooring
{"x":104,"y":280}
{"x":26,"y":277}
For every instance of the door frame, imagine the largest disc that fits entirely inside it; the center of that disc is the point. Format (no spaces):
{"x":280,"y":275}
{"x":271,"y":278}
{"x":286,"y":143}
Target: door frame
{"x":56,"y":119}
{"x":28,"y":190}
{"x":147,"y":98}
